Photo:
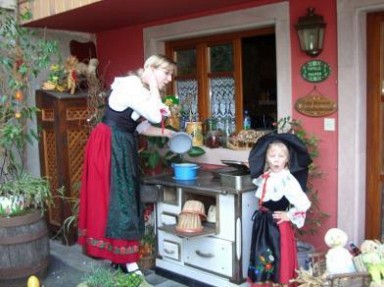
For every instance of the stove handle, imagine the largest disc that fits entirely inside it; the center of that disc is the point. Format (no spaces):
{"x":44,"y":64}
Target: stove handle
{"x":204,"y":255}
{"x":169,"y":251}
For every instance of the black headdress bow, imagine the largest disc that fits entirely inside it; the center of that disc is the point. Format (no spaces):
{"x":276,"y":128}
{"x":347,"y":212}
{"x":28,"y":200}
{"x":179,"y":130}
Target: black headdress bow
{"x":299,"y":156}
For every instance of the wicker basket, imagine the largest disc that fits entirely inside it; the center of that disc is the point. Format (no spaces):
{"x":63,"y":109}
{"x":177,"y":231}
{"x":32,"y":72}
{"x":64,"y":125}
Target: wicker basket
{"x":317,"y":277}
{"x":355,"y":279}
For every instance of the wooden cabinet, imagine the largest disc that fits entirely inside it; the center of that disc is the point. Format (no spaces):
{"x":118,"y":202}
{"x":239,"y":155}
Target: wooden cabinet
{"x":63,"y":130}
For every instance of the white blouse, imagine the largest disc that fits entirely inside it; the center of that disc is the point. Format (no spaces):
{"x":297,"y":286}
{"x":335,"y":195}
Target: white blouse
{"x":130,"y":92}
{"x":281,"y":184}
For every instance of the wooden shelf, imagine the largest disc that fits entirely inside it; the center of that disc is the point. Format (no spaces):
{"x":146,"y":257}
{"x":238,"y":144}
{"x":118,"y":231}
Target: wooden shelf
{"x":209,"y":229}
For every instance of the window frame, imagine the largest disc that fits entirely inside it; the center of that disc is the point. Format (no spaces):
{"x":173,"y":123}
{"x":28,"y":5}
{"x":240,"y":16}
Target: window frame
{"x":202,"y":44}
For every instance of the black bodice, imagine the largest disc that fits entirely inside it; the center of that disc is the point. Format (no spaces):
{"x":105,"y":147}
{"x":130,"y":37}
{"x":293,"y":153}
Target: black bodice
{"x":121,"y":120}
{"x":281,"y":204}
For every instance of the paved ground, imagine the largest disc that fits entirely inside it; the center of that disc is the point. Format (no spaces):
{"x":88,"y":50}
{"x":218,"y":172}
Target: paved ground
{"x":69,"y":266}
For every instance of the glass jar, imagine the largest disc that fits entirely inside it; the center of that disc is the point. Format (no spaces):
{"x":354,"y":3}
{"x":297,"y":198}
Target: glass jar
{"x":195,"y":130}
{"x":213,"y":139}
{"x":210,"y":124}
{"x":229,"y":128}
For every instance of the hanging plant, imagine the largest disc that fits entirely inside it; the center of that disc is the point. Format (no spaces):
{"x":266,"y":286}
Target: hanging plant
{"x":23,"y":55}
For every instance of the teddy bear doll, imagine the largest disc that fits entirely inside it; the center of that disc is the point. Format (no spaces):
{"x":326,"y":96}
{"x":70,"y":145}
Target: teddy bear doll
{"x":338,"y":258}
{"x":380,"y":251}
{"x":371,"y":259}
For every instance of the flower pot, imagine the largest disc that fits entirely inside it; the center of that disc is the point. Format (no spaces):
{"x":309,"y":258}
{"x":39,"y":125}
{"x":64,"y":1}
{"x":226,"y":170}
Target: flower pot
{"x":303,"y":250}
{"x":147,"y":262}
{"x":24,"y":248}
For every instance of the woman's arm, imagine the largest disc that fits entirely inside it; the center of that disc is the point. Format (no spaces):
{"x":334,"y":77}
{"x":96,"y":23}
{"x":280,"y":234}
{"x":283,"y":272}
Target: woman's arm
{"x":130,"y":92}
{"x":145,"y":128}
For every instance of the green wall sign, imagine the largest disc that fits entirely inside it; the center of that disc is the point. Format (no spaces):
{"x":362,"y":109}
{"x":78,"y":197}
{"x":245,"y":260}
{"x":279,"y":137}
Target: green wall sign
{"x":315,"y":71}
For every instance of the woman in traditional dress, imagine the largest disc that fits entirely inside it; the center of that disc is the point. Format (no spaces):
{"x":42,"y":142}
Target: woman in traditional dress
{"x":111,"y":221}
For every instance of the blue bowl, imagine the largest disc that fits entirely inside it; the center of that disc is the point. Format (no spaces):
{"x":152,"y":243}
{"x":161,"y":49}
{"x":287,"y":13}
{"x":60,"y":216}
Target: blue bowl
{"x":185,"y":171}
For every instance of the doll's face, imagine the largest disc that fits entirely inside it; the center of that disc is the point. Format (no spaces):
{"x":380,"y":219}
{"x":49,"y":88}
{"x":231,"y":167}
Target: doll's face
{"x":335,"y":237}
{"x":277,"y":157}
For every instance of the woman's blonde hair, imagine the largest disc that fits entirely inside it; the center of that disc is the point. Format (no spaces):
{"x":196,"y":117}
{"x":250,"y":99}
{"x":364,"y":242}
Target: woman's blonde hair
{"x":156,"y":62}
{"x":160,"y":62}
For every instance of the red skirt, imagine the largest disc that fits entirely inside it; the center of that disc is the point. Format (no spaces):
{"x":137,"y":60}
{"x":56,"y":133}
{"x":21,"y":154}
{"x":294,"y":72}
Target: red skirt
{"x":288,"y":253}
{"x":94,"y":203}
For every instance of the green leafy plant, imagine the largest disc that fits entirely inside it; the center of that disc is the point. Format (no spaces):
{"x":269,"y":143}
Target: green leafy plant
{"x":154,"y":153}
{"x":150,"y":153}
{"x":103,"y":277}
{"x":30,"y":192}
{"x":315,"y":216}
{"x":23,"y":56}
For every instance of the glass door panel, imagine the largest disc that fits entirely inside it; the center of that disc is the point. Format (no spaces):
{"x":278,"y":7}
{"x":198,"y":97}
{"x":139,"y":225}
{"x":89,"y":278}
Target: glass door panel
{"x":222,"y":91}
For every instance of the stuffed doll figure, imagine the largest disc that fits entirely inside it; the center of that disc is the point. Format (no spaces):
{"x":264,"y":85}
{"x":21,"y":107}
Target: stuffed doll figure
{"x":371,"y":259}
{"x":380,"y":251}
{"x":338,"y":258}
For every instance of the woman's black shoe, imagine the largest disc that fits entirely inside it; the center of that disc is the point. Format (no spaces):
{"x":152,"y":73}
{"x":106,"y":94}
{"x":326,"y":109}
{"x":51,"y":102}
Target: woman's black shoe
{"x":121,"y":267}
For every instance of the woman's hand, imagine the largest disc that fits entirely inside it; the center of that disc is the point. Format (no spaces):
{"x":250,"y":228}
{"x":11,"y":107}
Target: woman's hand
{"x":165,"y":111}
{"x":169,"y":133}
{"x":280,"y":216}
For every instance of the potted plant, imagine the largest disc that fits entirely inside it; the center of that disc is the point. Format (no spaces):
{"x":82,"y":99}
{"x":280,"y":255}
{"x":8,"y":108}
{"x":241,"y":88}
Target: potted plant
{"x":23,"y":197}
{"x":147,"y":247}
{"x":155,"y":157}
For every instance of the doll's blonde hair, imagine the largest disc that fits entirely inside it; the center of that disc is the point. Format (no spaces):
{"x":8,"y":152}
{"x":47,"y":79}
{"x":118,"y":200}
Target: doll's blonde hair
{"x":280,"y":144}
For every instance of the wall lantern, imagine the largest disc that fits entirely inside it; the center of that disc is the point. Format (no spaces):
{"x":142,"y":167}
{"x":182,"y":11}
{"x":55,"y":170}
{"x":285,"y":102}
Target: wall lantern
{"x":310,"y":29}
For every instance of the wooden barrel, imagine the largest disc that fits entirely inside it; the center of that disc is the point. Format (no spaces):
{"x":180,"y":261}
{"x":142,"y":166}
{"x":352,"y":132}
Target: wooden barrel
{"x":24,"y":249}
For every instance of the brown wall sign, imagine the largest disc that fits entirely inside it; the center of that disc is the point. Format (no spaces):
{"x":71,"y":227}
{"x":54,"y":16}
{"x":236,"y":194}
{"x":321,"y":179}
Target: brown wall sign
{"x":315,"y":105}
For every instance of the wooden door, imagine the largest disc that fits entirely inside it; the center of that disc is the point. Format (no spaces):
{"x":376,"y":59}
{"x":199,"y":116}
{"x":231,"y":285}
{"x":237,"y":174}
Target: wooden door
{"x":375,"y":123}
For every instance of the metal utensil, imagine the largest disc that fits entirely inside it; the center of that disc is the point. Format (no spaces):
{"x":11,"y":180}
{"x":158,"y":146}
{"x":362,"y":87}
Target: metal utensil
{"x":241,"y":165}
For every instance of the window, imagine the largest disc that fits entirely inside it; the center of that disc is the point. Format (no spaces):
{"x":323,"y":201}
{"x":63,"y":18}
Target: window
{"x":221,"y":76}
